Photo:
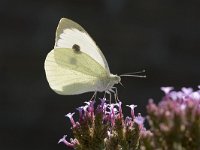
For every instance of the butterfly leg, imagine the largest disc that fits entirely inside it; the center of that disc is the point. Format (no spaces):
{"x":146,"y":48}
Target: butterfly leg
{"x":112,"y":91}
{"x":94,"y":96}
{"x":115,"y":93}
{"x":104,"y":96}
{"x":110,"y":94}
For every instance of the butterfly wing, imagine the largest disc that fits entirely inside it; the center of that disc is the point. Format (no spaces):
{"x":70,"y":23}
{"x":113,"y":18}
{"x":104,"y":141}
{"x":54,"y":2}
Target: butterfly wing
{"x":69,"y":72}
{"x":69,"y":33}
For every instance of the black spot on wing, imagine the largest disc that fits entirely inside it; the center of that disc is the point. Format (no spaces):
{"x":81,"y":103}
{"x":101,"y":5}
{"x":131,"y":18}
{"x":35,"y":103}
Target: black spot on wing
{"x":76,"y":48}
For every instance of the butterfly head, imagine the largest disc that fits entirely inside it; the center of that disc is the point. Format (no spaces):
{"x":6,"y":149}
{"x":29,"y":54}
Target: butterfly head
{"x":115,"y":78}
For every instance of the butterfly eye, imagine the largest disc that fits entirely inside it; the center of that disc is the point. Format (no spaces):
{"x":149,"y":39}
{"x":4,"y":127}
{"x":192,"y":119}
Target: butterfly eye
{"x":76,"y":48}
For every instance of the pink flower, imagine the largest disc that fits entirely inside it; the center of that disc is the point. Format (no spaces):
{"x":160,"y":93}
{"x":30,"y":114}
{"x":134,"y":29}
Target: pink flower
{"x":187,"y":91}
{"x":132,"y":110}
{"x":139,"y":120}
{"x":70,"y":116}
{"x":104,"y":124}
{"x":63,"y":140}
{"x":119,"y":104}
{"x":166,"y":90}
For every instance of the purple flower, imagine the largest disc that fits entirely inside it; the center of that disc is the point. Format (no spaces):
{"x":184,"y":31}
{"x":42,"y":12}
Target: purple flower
{"x":112,"y":109}
{"x":128,"y":121}
{"x":112,"y":113}
{"x":175,"y":120}
{"x":166,"y":90}
{"x":119,"y":104}
{"x":80,"y":109}
{"x":112,"y":119}
{"x":139,"y":120}
{"x":132,"y":109}
{"x":180,"y":95}
{"x":63,"y":140}
{"x":85,"y":108}
{"x":195,"y":95}
{"x":187,"y":91}
{"x":70,"y":116}
{"x":103,"y":102}
{"x":173,"y":95}
{"x":104,"y":124}
{"x":90,"y":107}
{"x":90,"y":103}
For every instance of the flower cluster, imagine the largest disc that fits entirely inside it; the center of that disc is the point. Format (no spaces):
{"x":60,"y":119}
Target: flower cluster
{"x":104,"y":128}
{"x":174,"y":122}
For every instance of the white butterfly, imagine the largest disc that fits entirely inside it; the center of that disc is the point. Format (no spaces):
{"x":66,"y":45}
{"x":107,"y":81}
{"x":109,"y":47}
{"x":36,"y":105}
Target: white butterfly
{"x":76,"y":65}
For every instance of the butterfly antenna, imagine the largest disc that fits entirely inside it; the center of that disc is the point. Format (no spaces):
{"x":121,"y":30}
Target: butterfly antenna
{"x":134,"y":74}
{"x":137,"y":72}
{"x":131,"y":75}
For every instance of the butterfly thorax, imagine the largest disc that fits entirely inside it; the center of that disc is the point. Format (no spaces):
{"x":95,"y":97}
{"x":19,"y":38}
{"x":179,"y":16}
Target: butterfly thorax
{"x":107,"y":83}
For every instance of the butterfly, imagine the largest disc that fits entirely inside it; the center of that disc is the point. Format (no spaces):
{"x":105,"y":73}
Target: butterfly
{"x":76,"y":64}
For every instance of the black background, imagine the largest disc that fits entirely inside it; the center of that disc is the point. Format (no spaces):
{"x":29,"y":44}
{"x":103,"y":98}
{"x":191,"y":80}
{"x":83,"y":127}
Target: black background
{"x":162,"y":37}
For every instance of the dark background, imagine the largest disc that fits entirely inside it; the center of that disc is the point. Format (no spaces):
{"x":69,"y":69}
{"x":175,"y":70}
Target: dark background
{"x":162,"y":37}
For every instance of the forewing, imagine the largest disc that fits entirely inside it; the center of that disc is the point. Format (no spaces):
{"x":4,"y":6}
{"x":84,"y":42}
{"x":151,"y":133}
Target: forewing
{"x":69,"y":72}
{"x":69,"y":33}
